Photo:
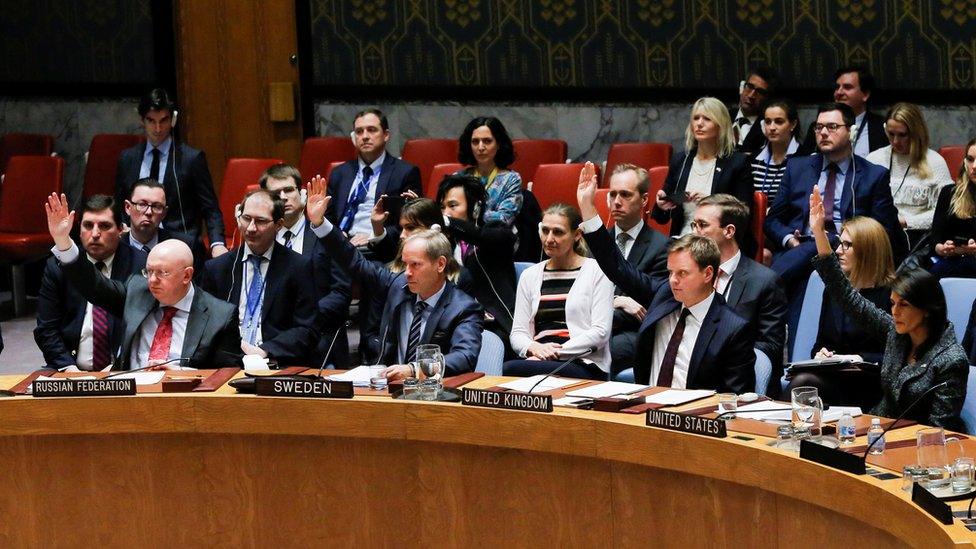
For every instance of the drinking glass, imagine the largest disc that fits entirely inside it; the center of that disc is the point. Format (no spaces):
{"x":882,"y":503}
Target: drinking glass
{"x":728,"y":403}
{"x":962,"y":475}
{"x":807,"y":411}
{"x":930,"y":449}
{"x":377,"y":379}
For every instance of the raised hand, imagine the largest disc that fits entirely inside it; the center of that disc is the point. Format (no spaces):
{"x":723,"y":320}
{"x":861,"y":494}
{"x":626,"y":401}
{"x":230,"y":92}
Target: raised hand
{"x":816,"y":211}
{"x":378,"y":216}
{"x":60,"y":219}
{"x":586,"y":191}
{"x":317,"y":201}
{"x":409,"y":195}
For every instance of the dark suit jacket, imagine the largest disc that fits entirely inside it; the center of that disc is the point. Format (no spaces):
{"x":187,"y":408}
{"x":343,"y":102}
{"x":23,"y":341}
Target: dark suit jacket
{"x":869,"y":182}
{"x":648,"y":255}
{"x":61,"y":309}
{"x":455,"y":323}
{"x":200,"y":255}
{"x":755,"y":140}
{"x":722,"y":359}
{"x":212,"y":338}
{"x":288,"y":309}
{"x":333,"y":292}
{"x":755,"y":294}
{"x":876,"y":135}
{"x":191,"y":201}
{"x":491,"y":266}
{"x":733,"y":175}
{"x":396,"y":177}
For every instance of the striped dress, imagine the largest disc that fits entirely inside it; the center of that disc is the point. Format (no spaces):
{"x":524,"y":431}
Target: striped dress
{"x":550,"y":318}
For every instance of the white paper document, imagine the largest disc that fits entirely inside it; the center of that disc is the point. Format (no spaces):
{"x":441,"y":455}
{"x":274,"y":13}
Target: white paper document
{"x":674,"y":397}
{"x":608,"y":389}
{"x":834,"y":412}
{"x":523,"y":385}
{"x":756,"y":410}
{"x":143,"y":378}
{"x":359,"y":376}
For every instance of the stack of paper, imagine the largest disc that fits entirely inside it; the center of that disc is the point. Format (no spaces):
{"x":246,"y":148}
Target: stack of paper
{"x":675,"y":397}
{"x":608,"y":389}
{"x":359,"y":376}
{"x":523,"y":385}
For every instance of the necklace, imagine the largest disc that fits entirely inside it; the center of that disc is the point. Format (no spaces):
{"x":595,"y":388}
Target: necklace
{"x":706,"y":166}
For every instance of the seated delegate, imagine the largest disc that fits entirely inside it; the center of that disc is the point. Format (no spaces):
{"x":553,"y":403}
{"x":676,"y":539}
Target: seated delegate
{"x":954,"y":224}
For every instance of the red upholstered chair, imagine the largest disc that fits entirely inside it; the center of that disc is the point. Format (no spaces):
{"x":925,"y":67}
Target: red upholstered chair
{"x":530,"y":153}
{"x":603,"y":207}
{"x":103,"y":161}
{"x":557,"y":183}
{"x":330,"y":167}
{"x":24,"y":144}
{"x":239,"y":174}
{"x":759,"y":204}
{"x":645,"y":155}
{"x":320,"y":152}
{"x":427,"y":153}
{"x":953,"y":155}
{"x":657,"y":175}
{"x":437,"y":175}
{"x":23,"y":224}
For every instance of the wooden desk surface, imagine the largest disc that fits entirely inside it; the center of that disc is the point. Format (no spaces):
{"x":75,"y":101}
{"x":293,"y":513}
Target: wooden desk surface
{"x":205,"y":468}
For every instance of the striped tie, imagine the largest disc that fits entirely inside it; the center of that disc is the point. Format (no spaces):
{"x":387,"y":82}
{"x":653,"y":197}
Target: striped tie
{"x":414,"y":339}
{"x":100,"y":330}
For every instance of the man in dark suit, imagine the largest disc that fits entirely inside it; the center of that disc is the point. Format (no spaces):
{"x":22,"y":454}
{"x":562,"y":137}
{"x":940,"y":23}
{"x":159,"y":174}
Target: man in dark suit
{"x":269,"y":284}
{"x":146,"y":208}
{"x":689,"y":338}
{"x":70,"y":331}
{"x":166,"y":320}
{"x":422,"y":305}
{"x":850,"y":185}
{"x":642,"y":246}
{"x":332,"y":285}
{"x":356,"y":185}
{"x":760,"y":84}
{"x":853,"y":87}
{"x":751,"y":289}
{"x":182,"y":169}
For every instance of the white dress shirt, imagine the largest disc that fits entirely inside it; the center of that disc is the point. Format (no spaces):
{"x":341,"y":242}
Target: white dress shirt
{"x":146,"y":166}
{"x":247,"y":275}
{"x":406,"y":318}
{"x":361,"y":223}
{"x":633,"y":232}
{"x":745,"y":128}
{"x":133,"y":242}
{"x":662,"y":336}
{"x":699,"y":180}
{"x":86,"y":342}
{"x":725,"y":272}
{"x":298,"y":235}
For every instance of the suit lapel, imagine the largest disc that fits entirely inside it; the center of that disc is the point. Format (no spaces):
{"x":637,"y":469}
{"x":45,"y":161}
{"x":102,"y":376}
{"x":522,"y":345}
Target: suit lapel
{"x":274,"y":278}
{"x":139,"y":305}
{"x":384,"y":180}
{"x":659,"y":311}
{"x":641,"y":244}
{"x":708,"y":328}
{"x":390,"y":333}
{"x":733,"y":292}
{"x":308,"y":239}
{"x":435,"y":314}
{"x":237,"y":268}
{"x":196,"y":324}
{"x":848,"y":196}
{"x":720,"y":179}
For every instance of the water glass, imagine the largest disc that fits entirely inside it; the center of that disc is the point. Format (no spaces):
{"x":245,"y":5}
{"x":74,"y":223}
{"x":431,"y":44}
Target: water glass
{"x":912,"y":474}
{"x":428,"y":389}
{"x":431,"y":362}
{"x":728,"y":404}
{"x":411,"y":387}
{"x":962,"y":475}
{"x":377,"y":378}
{"x":807,"y":411}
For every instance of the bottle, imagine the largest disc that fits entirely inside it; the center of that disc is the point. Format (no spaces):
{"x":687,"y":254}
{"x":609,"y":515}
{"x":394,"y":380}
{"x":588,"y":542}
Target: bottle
{"x":874,"y":433}
{"x":845,"y":429}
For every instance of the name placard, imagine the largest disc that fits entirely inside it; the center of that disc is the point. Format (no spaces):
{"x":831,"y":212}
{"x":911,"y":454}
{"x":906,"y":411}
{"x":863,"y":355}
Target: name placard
{"x":686,"y":423}
{"x":83,"y":387}
{"x":309,"y":388}
{"x":507,"y":401}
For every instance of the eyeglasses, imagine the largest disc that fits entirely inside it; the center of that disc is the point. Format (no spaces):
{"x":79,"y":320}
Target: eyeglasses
{"x":831,"y":128}
{"x":846,"y":245}
{"x":149,"y":273}
{"x":750,"y":87}
{"x":259,"y":222}
{"x":147,"y":206}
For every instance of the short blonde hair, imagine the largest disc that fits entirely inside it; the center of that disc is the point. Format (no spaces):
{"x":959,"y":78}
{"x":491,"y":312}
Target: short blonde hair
{"x":436,"y":245}
{"x":716,"y":111}
{"x":918,"y":135}
{"x":875,"y":265}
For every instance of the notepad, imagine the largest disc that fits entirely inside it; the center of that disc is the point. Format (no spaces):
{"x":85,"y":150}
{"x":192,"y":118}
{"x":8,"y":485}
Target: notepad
{"x":608,"y":389}
{"x":525,"y":384}
{"x":359,"y":376}
{"x":674,"y":397}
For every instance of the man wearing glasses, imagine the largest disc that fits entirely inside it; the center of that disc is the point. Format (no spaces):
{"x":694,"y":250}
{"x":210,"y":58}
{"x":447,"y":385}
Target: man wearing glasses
{"x":851,"y":186}
{"x":269,"y":285}
{"x":71,"y":331}
{"x":166,"y":321}
{"x":758,"y":86}
{"x":146,"y":208}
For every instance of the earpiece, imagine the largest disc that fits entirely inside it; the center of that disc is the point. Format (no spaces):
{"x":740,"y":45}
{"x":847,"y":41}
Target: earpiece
{"x":476,"y":212}
{"x":742,"y":85}
{"x":238,"y":209}
{"x":854,"y":129}
{"x":304,"y":195}
{"x":176,"y":116}
{"x":609,"y":201}
{"x":352,"y":136}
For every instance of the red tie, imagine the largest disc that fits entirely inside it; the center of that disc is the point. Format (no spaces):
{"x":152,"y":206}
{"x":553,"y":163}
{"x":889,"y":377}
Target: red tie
{"x":100,"y":330}
{"x":163,"y":336}
{"x":666,"y":375}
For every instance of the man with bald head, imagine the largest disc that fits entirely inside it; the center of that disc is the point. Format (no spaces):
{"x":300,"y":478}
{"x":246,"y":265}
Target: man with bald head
{"x":167,"y":322}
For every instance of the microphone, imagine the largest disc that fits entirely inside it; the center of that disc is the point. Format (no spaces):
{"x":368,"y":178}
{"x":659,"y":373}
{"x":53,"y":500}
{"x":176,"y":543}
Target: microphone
{"x":737,"y":412}
{"x":123,"y":372}
{"x":379,"y":353}
{"x":901,"y":417}
{"x":329,"y":351}
{"x":561,"y":366}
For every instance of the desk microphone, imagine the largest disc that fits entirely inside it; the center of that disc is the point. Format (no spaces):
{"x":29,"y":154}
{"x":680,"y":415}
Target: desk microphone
{"x":561,"y":366}
{"x":123,"y":372}
{"x":737,"y":412}
{"x":901,"y":417}
{"x":329,"y":351}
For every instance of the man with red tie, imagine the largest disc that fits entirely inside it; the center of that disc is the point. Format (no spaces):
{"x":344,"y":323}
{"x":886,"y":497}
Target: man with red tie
{"x":167,"y":321}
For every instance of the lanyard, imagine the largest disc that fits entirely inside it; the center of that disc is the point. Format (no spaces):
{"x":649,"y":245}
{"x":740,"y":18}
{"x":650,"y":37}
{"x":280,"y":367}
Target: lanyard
{"x":891,"y":159}
{"x":250,"y":311}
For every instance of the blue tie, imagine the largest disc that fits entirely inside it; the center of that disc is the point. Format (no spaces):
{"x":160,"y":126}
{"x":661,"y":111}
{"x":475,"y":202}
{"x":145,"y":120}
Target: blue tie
{"x":252,"y":310}
{"x":345,"y":224}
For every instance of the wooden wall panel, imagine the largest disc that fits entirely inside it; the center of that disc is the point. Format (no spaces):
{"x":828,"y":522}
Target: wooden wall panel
{"x":228,"y":51}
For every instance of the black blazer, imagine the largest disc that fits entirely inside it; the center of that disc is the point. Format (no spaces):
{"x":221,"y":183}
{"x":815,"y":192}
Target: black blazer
{"x":192,"y":201}
{"x":212,"y":338}
{"x":755,"y":140}
{"x":876,"y":135}
{"x":455,"y":324}
{"x":200,"y":256}
{"x":333,"y":294}
{"x":61,"y":309}
{"x":733,"y":175}
{"x":722,"y":359}
{"x":396,"y":177}
{"x":288,"y":310}
{"x":649,"y":255}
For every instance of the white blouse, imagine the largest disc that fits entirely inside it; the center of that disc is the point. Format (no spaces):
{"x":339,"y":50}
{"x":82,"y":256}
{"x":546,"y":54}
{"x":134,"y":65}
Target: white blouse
{"x":699,"y":180}
{"x":914,"y":197}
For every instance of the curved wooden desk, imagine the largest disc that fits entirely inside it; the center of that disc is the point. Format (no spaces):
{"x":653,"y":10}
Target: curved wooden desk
{"x":178,"y":470}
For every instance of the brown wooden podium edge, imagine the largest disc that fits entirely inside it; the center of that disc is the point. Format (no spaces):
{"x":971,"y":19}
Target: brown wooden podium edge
{"x":216,"y":380}
{"x":21,"y":388}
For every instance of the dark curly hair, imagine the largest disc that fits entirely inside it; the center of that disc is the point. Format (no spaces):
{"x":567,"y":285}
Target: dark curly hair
{"x":506,"y":151}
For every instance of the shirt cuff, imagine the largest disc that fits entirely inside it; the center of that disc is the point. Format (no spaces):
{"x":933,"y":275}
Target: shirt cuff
{"x":374,"y":239}
{"x":323,"y":230}
{"x":591,"y":224}
{"x":212,"y":244}
{"x":786,"y":239}
{"x":66,"y":256}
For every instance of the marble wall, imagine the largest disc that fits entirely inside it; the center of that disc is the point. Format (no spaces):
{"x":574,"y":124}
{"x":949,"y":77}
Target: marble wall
{"x":73,"y":124}
{"x":589,"y":130}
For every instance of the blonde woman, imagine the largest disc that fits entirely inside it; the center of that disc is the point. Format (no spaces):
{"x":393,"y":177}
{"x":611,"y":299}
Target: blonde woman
{"x":954,"y":225}
{"x":708,"y":166}
{"x":917,"y":172}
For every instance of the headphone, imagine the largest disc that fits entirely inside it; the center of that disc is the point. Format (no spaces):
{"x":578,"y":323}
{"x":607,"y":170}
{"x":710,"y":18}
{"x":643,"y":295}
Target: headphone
{"x":176,"y":116}
{"x":742,"y":85}
{"x":303,"y":195}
